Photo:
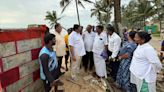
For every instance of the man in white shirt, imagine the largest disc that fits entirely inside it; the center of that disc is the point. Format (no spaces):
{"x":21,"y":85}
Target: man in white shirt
{"x":114,"y":43}
{"x":99,"y":46}
{"x":77,"y":50}
{"x":88,"y":37}
{"x":60,"y":46}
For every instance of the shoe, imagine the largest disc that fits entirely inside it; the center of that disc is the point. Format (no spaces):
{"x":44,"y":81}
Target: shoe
{"x":74,"y":78}
{"x":62,"y":67}
{"x":62,"y":73}
{"x":60,"y":90}
{"x":66,"y":69}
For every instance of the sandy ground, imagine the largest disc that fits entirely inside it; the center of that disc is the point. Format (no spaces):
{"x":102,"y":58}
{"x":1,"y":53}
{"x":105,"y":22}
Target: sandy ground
{"x":86,"y":86}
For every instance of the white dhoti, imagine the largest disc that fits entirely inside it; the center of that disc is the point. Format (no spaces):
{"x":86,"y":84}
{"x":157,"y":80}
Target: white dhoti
{"x":100,"y":66}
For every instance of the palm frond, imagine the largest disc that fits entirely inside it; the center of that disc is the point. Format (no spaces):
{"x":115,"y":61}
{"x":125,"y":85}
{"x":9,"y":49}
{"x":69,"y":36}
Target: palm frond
{"x":62,"y":3}
{"x":88,"y":1}
{"x":92,"y":14}
{"x":52,"y":18}
{"x":66,"y":6}
{"x":81,"y":4}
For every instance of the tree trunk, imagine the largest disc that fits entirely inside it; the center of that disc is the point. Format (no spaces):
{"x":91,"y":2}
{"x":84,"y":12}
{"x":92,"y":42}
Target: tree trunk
{"x":144,"y":23}
{"x":77,"y":10}
{"x":117,"y":14}
{"x":99,"y":17}
{"x":159,"y":18}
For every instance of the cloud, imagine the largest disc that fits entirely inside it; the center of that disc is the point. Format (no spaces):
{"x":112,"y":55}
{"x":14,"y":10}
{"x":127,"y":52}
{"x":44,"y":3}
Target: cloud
{"x":20,"y":13}
{"x":16,"y":13}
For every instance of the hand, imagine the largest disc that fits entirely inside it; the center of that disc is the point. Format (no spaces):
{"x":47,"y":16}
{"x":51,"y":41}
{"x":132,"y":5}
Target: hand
{"x":111,"y":59}
{"x":161,"y":58}
{"x":119,"y":58}
{"x":74,"y":58}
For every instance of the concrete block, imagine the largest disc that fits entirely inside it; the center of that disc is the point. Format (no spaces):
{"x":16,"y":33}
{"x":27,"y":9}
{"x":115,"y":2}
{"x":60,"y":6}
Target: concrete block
{"x":9,"y":77}
{"x":35,"y":53}
{"x":23,"y":45}
{"x":37,"y":86}
{"x":29,"y":44}
{"x":15,"y":87}
{"x":1,"y":65}
{"x":36,"y":43}
{"x":7,"y":49}
{"x":28,"y":68}
{"x":36,"y":75}
{"x":16,"y":60}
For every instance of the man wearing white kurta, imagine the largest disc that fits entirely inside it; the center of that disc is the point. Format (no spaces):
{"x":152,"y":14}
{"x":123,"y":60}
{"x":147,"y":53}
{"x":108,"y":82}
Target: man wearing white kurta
{"x":60,"y":46}
{"x":88,"y":37}
{"x":100,"y":45}
{"x":77,"y":50}
{"x":145,"y":64}
{"x":114,"y":43}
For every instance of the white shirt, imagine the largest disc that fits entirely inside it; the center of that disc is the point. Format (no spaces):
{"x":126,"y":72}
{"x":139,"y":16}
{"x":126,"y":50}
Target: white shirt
{"x":75,"y":39}
{"x":99,"y":43}
{"x":114,"y":43}
{"x":145,"y":63}
{"x":88,"y":40}
{"x":60,"y":46}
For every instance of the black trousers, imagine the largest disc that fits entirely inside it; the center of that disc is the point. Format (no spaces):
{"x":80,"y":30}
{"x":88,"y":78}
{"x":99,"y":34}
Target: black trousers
{"x":88,"y":60}
{"x":66,"y":58}
{"x":114,"y":66}
{"x":55,"y":73}
{"x":60,"y":61}
{"x":47,"y":87}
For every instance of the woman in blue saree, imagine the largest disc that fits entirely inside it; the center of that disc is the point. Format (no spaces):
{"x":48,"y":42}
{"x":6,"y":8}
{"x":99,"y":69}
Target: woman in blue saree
{"x":125,"y":55}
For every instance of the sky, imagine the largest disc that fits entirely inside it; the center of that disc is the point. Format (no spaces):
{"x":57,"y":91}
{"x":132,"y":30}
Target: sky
{"x":21,"y":13}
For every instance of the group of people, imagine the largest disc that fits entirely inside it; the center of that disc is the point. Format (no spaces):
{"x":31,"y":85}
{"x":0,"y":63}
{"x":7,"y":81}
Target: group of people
{"x":133,"y":63}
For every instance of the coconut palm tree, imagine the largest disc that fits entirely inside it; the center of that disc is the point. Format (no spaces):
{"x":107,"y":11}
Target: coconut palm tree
{"x":145,"y":10}
{"x":66,"y":3}
{"x":52,"y":18}
{"x":139,"y":11}
{"x":159,"y":5}
{"x":129,"y":14}
{"x":102,"y":11}
{"x":97,"y":12}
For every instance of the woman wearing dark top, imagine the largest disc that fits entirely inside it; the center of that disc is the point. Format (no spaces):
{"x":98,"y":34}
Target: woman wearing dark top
{"x":126,"y":53}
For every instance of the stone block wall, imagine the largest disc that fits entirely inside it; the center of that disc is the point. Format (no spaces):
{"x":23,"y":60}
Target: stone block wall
{"x":19,"y":66}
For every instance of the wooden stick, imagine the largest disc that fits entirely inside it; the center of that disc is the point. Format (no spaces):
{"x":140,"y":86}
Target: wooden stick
{"x":74,"y":82}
